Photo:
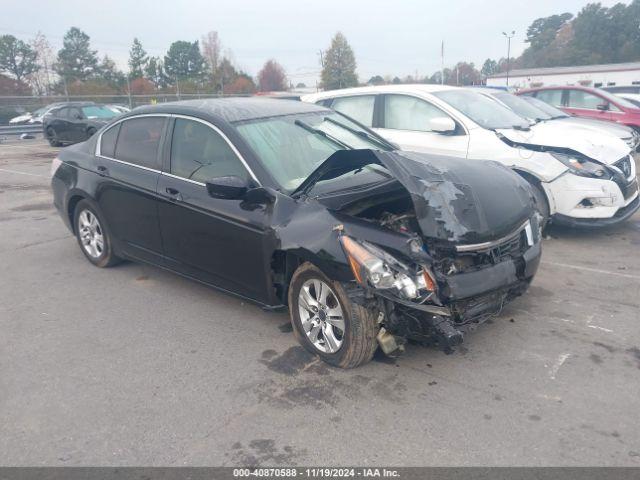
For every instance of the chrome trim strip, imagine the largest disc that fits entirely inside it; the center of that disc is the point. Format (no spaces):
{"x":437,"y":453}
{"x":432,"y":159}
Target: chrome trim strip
{"x":226,"y":139}
{"x":165,"y":174}
{"x":130,"y":164}
{"x":493,"y":243}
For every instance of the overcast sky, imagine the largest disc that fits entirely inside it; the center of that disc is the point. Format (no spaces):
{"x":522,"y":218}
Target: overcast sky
{"x":389,"y":37}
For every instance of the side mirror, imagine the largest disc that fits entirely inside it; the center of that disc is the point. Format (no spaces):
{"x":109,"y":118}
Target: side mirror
{"x":227,"y":188}
{"x":77,"y":116}
{"x":603,"y":107}
{"x":444,"y":125}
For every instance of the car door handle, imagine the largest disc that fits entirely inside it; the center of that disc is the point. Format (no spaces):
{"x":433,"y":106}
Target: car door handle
{"x":174,"y":194}
{"x":102,"y":170}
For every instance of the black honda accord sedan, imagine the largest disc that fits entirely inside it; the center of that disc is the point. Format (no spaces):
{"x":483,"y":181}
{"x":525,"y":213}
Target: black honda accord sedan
{"x":293,"y":205}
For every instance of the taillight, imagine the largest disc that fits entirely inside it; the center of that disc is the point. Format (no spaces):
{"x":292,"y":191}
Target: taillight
{"x":55,"y":163}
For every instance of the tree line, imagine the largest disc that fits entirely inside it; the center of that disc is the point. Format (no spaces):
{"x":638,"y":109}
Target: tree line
{"x":76,"y":69}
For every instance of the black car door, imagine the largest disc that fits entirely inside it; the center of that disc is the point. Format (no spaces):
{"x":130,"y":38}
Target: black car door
{"x":60,"y":123}
{"x":218,"y":241}
{"x":76,"y":125}
{"x":128,"y":159}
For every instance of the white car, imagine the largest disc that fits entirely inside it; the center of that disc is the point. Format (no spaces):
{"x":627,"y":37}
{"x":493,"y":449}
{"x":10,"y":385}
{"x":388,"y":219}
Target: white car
{"x":630,"y":97}
{"x":579,"y":179}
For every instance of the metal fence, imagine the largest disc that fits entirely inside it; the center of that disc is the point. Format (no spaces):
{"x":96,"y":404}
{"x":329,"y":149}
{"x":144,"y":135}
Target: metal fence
{"x":13,"y":106}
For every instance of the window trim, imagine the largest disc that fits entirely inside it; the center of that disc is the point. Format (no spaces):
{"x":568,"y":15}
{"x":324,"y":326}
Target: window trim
{"x":98,"y":152}
{"x":356,"y":95}
{"x":224,"y":137}
{"x":457,"y":121}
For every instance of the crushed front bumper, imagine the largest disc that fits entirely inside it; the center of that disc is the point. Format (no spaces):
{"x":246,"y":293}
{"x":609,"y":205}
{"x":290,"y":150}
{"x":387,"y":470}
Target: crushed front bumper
{"x":465,"y":299}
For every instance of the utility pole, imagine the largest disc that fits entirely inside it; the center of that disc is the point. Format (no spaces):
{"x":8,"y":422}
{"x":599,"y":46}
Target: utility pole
{"x":442,"y":63}
{"x":509,"y":37}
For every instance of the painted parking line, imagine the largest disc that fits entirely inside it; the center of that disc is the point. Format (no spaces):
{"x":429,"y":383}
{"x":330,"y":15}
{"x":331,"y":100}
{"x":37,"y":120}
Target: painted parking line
{"x":23,"y":173}
{"x":592,"y":270}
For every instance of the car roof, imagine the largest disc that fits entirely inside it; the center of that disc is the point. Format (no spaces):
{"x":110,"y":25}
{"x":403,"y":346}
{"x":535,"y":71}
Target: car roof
{"x":73,"y":104}
{"x":403,"y":88}
{"x":560,"y":87}
{"x":233,"y":109}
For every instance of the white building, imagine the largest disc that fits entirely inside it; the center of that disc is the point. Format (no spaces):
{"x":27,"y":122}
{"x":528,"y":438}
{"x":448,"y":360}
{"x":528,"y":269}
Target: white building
{"x":585,"y":75}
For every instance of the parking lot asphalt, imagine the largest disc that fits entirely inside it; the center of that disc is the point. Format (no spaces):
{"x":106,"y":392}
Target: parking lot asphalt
{"x":136,"y":366}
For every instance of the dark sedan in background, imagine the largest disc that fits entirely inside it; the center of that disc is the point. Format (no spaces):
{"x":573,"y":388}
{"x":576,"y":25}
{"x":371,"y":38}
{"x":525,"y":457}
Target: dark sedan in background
{"x":74,"y":122}
{"x":291,"y":204}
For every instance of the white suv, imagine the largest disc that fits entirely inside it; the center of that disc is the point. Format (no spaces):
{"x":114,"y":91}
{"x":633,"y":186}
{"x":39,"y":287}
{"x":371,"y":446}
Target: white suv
{"x":580,"y":179}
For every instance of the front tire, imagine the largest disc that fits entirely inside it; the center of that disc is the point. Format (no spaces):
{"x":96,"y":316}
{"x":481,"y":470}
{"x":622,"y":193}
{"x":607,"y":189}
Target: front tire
{"x":542,"y":205}
{"x":327,"y":323}
{"x":93,"y":235}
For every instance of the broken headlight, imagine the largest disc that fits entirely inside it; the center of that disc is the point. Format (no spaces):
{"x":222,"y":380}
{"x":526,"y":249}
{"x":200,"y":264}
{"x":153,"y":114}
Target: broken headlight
{"x":374,"y":267}
{"x":580,"y":166}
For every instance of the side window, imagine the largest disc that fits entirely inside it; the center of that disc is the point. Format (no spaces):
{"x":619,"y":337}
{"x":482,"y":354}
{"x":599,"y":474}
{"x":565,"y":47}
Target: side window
{"x":200,"y":153}
{"x":552,"y":97}
{"x":582,"y":99}
{"x":62,"y":113}
{"x":359,"y":108}
{"x":403,"y":112}
{"x":138,"y":141}
{"x":74,"y":113}
{"x":108,"y":142}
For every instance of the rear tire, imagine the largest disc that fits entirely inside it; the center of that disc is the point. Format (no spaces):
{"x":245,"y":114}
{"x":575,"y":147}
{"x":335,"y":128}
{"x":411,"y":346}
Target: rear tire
{"x":311,"y":317}
{"x":92,"y":234}
{"x":52,"y":137}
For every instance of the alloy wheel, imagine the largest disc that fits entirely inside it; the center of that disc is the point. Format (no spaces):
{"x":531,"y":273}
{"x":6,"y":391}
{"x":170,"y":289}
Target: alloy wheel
{"x":321,"y":316}
{"x":91,"y":234}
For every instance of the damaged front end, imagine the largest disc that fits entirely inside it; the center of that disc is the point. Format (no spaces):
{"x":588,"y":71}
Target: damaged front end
{"x":440,"y":248}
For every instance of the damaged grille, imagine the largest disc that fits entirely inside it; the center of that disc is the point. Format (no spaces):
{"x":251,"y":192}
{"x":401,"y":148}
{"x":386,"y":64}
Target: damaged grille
{"x":624,"y":165}
{"x":472,"y":257}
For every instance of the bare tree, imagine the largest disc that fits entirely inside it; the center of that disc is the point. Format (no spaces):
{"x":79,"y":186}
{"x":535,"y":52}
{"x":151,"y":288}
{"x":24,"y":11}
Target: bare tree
{"x":211,"y":47}
{"x":272,"y":77}
{"x":41,"y":79}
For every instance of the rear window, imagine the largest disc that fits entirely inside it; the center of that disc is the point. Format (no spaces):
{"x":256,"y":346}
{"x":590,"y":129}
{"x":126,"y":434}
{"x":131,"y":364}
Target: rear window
{"x":108,"y":142}
{"x":360,"y":108}
{"x":552,"y":97}
{"x":139,"y":140}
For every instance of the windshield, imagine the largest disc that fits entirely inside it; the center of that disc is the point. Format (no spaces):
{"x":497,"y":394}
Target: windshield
{"x":292,"y":146}
{"x":98,"y":111}
{"x":482,"y":110}
{"x":522,"y":107}
{"x":617,"y":100}
{"x":550,"y":110}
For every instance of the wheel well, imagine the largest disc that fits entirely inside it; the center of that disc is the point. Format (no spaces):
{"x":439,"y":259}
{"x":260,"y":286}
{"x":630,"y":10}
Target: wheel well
{"x":71,"y":207}
{"x":528,"y":177}
{"x":283,"y":265}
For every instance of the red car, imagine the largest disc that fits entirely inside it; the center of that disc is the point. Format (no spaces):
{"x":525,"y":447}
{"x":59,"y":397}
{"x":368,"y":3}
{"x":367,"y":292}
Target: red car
{"x":588,"y":102}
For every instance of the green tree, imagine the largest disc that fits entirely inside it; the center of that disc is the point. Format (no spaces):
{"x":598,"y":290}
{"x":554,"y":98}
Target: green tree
{"x":109,"y":73}
{"x":184,"y":61}
{"x":227,"y":74}
{"x":376,"y":80}
{"x":154,"y":72}
{"x":489,"y":67}
{"x":339,"y":66}
{"x":17,"y":58}
{"x":76,"y":60}
{"x":138,"y":59}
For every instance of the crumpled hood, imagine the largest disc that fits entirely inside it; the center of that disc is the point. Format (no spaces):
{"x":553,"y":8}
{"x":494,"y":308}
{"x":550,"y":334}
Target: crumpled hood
{"x":600,"y":146}
{"x":455,"y":199}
